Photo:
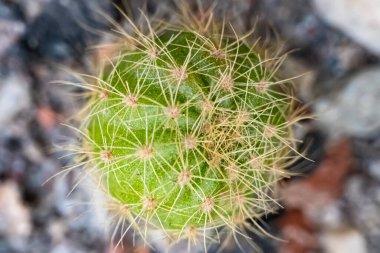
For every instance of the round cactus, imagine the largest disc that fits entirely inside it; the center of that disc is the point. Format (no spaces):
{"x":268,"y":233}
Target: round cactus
{"x":189,"y":133}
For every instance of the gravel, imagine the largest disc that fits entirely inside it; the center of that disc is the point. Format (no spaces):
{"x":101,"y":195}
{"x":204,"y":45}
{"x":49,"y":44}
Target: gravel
{"x":336,"y":43}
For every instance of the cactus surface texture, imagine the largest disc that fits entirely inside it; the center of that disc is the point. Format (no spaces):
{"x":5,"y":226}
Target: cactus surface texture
{"x":189,"y":133}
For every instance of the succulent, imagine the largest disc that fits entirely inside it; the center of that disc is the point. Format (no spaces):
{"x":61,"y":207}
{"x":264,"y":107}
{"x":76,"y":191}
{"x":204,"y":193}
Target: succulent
{"x":189,"y":132}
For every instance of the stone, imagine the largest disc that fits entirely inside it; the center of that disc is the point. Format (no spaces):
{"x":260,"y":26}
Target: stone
{"x":359,"y":19}
{"x":374,"y":169}
{"x":14,"y":97}
{"x":14,"y":216}
{"x":345,"y":240}
{"x":355,"y":110}
{"x":362,"y":208}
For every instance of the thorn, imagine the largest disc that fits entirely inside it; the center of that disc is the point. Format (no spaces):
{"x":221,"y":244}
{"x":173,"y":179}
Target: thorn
{"x":130,"y":100}
{"x":191,"y":233}
{"x":208,"y":128}
{"x":222,"y":120}
{"x":227,"y":82}
{"x":240,"y":199}
{"x":145,"y":152}
{"x":206,"y":106}
{"x":207,"y":205}
{"x":219,"y":53}
{"x":215,"y":160}
{"x":190,"y":142}
{"x":242,"y":117}
{"x":124,"y":209}
{"x":232,"y":172}
{"x":238,"y":219}
{"x":106,"y":156}
{"x":269,"y":131}
{"x":262,"y":86}
{"x":237,"y":137}
{"x":153,"y":52}
{"x":255,"y":162}
{"x":104,"y":94}
{"x":184,"y":177}
{"x":172,"y":112}
{"x":179,"y":73}
{"x":149,"y":204}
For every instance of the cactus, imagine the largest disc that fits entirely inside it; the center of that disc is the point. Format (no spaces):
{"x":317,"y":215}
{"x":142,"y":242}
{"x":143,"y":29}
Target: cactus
{"x":189,"y":132}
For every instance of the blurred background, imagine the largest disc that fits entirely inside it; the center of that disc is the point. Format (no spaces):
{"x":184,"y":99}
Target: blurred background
{"x":333,"y":206}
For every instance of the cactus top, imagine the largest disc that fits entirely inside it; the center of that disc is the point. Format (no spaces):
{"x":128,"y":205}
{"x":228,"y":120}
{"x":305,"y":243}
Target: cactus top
{"x":189,"y":133}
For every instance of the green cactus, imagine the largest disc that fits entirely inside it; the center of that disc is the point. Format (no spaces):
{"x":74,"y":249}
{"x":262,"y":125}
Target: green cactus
{"x":189,"y":133}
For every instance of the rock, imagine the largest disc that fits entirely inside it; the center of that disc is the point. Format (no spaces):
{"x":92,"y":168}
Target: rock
{"x":343,"y":240}
{"x":359,"y":19}
{"x":10,"y":31}
{"x":355,"y":110}
{"x":362,"y":198}
{"x":374,"y":169}
{"x":318,"y":45}
{"x":31,"y":9}
{"x":14,"y":97}
{"x":14,"y":216}
{"x":11,"y":27}
{"x":69,"y":33}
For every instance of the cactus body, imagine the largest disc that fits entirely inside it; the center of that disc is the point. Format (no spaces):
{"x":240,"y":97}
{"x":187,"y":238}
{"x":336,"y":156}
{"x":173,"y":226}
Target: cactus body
{"x":189,"y":133}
